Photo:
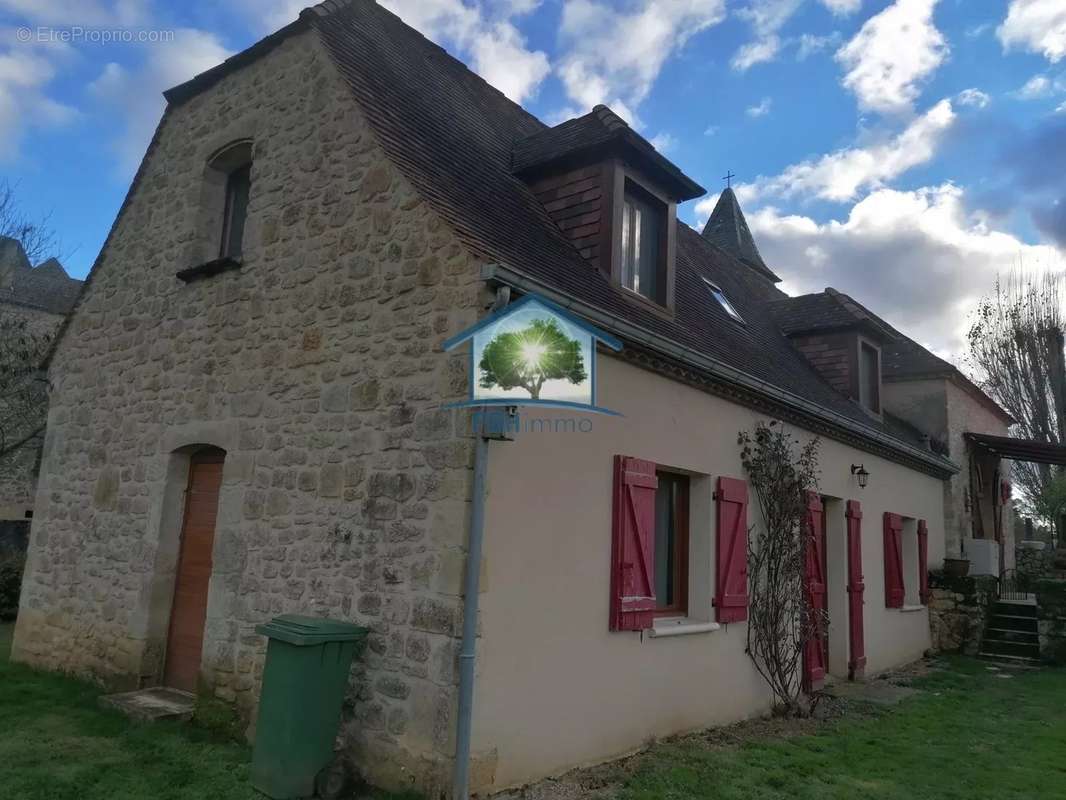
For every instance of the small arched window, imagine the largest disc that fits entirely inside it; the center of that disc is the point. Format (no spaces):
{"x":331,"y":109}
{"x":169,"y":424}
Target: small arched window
{"x":235,"y":163}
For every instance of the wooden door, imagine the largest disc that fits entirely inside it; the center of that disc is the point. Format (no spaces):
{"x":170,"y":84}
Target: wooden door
{"x":189,"y":609}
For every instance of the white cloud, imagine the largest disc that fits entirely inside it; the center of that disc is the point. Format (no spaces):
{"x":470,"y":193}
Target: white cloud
{"x":841,"y":175}
{"x":25,"y":73}
{"x":760,"y":110}
{"x":614,"y":56}
{"x":1036,"y":87}
{"x":973,"y":97}
{"x":138,"y":93}
{"x":501,"y":58}
{"x":917,"y":257}
{"x":842,"y":6}
{"x":1061,"y":109}
{"x":710,"y":130}
{"x":766,"y":17}
{"x":663,"y":142}
{"x":495,"y":48}
{"x":809,"y":44}
{"x":1036,"y":25}
{"x":892,"y":54}
{"x":757,"y":52}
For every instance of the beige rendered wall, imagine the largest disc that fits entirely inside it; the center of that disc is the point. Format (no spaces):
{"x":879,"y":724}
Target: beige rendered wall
{"x":556,"y":688}
{"x":965,"y":414}
{"x":318,"y":368}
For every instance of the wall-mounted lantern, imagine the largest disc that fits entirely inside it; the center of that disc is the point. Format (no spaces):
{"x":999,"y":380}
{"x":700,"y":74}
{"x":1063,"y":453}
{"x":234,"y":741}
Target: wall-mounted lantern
{"x":859,"y":471}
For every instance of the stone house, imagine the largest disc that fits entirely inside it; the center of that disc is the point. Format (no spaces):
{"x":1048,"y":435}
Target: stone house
{"x":254,"y":382}
{"x":42,"y":296}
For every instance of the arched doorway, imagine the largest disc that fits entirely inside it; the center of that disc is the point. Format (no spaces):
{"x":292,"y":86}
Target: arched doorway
{"x":185,"y":637}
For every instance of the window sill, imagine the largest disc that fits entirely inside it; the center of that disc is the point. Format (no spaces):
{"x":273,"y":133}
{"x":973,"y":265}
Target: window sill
{"x":651,"y":305}
{"x":680,"y":626}
{"x":208,"y":269}
{"x":911,"y":609}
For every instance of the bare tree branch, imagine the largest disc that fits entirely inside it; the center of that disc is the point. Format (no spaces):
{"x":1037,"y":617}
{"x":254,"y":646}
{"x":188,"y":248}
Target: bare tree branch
{"x":36,"y":235}
{"x":1016,"y":348}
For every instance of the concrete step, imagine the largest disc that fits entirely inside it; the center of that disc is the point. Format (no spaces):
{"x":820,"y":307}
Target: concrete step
{"x":148,"y":705}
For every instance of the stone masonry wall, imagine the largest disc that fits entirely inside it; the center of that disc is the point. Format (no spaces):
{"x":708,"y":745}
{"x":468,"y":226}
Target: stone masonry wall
{"x":318,"y":368}
{"x":18,"y":469}
{"x":958,"y":611}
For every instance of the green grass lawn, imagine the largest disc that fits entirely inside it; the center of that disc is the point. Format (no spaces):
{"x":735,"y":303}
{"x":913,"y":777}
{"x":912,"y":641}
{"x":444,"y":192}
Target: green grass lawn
{"x":970,"y":735}
{"x":56,"y":743}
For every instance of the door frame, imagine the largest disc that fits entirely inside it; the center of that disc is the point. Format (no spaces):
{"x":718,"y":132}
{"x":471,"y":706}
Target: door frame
{"x":206,"y":454}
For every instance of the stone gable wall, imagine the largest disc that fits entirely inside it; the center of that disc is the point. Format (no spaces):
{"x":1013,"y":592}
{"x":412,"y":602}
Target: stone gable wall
{"x":318,"y":368}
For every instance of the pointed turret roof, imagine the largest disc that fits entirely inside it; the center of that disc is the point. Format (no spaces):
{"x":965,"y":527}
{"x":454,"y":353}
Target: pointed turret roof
{"x":728,"y":229}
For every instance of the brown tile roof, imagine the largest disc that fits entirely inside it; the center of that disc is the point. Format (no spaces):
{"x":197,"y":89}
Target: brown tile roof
{"x":824,"y":312}
{"x":902,"y":358}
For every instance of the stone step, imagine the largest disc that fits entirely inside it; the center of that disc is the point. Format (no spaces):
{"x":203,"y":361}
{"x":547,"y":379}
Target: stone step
{"x":1022,"y":624}
{"x":149,"y":705}
{"x":1001,"y":648}
{"x":1010,"y":635}
{"x":1016,"y":660}
{"x":1015,"y":608}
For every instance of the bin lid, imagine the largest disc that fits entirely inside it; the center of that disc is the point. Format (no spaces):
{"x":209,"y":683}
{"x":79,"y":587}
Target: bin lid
{"x":301,"y":630}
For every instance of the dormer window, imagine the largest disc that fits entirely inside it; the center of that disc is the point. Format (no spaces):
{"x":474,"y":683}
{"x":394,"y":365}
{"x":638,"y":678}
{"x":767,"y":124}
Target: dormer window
{"x":642,"y":251}
{"x":614,"y":198}
{"x":723,"y":301}
{"x":869,"y":377}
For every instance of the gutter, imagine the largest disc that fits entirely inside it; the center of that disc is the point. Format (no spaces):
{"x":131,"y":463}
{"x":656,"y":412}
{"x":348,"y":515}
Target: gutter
{"x":711,"y":367}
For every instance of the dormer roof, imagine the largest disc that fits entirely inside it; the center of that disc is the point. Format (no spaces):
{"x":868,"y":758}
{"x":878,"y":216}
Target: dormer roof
{"x":826,"y":312}
{"x":598,"y":134}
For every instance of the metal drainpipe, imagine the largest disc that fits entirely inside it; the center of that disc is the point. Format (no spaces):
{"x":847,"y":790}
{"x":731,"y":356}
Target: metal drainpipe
{"x":468,"y":651}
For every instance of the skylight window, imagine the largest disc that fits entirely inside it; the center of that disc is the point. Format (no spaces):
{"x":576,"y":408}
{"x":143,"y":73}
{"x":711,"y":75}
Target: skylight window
{"x":723,"y":301}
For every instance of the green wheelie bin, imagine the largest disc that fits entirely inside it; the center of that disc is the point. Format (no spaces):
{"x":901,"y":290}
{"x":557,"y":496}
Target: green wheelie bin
{"x":306,"y":673}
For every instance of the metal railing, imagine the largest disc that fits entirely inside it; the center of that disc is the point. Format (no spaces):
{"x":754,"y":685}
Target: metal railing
{"x":1014,"y":585}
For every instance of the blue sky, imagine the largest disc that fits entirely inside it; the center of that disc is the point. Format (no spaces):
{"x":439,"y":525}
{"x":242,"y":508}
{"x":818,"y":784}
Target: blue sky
{"x":906,"y":152}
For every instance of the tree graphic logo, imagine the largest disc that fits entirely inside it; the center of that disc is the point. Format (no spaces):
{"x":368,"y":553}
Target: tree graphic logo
{"x":531,"y":356}
{"x":532,"y":352}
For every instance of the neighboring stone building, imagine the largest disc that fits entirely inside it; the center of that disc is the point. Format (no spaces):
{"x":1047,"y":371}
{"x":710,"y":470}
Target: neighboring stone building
{"x":42,"y":296}
{"x":254,"y":378}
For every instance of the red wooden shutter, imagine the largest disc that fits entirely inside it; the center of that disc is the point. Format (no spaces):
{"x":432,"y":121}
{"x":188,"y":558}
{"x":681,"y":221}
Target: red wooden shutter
{"x":893,"y":560}
{"x":633,"y":545}
{"x":856,"y":589}
{"x":814,"y":650}
{"x":923,"y":561}
{"x":731,"y":551}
